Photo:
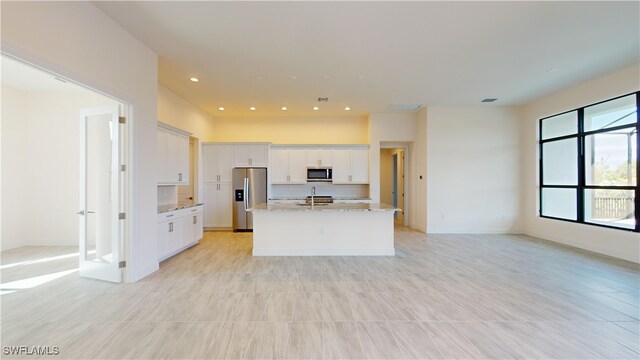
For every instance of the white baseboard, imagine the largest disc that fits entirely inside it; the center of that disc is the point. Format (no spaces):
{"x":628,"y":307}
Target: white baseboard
{"x":602,"y":250}
{"x":474,"y":230}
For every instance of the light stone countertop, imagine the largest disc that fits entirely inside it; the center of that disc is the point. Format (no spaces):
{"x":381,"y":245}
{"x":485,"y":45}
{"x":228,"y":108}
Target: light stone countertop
{"x":173,"y":207}
{"x":324,"y":207}
{"x":334,"y":198}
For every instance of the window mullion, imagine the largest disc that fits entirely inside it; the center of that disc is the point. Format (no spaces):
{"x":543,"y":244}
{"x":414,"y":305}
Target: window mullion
{"x":581,"y":168}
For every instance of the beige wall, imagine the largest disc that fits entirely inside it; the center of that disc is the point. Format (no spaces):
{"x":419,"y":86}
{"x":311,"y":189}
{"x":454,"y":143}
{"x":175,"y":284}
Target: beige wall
{"x":618,"y":243}
{"x":175,"y":111}
{"x":292,"y":130}
{"x":386,"y":176}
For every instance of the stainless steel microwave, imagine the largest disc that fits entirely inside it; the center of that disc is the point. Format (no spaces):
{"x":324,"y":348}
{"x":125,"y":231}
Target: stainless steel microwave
{"x":319,"y":174}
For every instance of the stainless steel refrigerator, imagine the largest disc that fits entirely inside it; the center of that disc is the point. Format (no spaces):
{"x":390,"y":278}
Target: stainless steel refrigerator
{"x":249,"y":189}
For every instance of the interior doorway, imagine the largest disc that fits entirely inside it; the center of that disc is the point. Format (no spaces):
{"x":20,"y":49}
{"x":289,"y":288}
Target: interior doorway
{"x":393,"y":189}
{"x":64,"y":187}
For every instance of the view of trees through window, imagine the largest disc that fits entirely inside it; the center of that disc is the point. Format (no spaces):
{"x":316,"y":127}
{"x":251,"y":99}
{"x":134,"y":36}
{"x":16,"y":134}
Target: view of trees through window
{"x":589,"y":159}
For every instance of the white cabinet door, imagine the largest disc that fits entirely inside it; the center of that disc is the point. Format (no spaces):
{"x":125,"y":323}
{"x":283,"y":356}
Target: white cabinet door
{"x":182,"y":158}
{"x":360,"y":165}
{"x":313,"y":157}
{"x":259,"y":155}
{"x":173,"y":147}
{"x":163,"y":240}
{"x":241,"y":155}
{"x":225,"y":161}
{"x":210,"y":204}
{"x":225,"y":205}
{"x":297,"y":165}
{"x":217,"y":162}
{"x":198,"y":231}
{"x":173,"y":157}
{"x":161,"y":155}
{"x":210,"y":163}
{"x":325,"y":156}
{"x":175,"y":234}
{"x":341,"y":165}
{"x":187,"y":230}
{"x":218,"y":205}
{"x":279,"y":165}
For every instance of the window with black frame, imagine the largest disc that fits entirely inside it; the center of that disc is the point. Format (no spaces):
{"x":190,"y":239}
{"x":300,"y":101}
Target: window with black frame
{"x":589,"y":164}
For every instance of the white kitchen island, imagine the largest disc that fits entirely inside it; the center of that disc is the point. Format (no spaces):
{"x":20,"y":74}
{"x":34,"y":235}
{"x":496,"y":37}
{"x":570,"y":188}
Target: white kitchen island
{"x":323,"y":229}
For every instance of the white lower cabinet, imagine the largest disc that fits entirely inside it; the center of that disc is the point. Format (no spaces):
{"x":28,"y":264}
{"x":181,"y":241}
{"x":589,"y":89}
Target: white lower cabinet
{"x":218,"y":205}
{"x":178,"y":230}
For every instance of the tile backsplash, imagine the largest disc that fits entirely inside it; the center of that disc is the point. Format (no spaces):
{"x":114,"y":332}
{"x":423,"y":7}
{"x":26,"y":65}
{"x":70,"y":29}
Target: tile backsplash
{"x":303,"y":190}
{"x":167,"y":195}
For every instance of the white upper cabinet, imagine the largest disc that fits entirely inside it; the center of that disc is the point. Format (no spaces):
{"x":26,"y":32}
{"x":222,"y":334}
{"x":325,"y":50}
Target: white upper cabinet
{"x":255,"y":155}
{"x":173,"y":157}
{"x":217,"y":162}
{"x":279,"y":170}
{"x":288,"y":165}
{"x":297,"y":166}
{"x":351,"y":165}
{"x":319,"y":157}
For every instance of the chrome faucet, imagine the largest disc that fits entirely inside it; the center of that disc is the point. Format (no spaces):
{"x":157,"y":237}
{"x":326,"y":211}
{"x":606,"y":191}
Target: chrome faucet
{"x":313,"y":193}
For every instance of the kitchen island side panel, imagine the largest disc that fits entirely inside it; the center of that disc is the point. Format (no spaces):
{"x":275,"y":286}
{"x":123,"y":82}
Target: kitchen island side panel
{"x":323,"y":233}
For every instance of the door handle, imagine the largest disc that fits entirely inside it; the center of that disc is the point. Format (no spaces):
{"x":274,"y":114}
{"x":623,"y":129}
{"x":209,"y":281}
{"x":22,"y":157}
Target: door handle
{"x":83,"y":212}
{"x":246,"y":194}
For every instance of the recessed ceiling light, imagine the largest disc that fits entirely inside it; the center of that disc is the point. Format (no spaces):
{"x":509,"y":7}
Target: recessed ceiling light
{"x":489,"y":100}
{"x":253,"y":108}
{"x":194,"y":79}
{"x":347,"y":108}
{"x":284,"y":108}
{"x":316,"y":108}
{"x":221,"y":108}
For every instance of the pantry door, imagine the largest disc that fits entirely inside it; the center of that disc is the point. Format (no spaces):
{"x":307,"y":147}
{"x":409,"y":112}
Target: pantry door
{"x":101,"y":193}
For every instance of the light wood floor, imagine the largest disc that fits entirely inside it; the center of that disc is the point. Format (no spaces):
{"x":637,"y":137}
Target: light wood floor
{"x":442,"y":296}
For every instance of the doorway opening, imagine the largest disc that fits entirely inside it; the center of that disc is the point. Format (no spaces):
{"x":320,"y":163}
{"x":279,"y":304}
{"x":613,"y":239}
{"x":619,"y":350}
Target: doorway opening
{"x":393,"y":185}
{"x":64,"y":180}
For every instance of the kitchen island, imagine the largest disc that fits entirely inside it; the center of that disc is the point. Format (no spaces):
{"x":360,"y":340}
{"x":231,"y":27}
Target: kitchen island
{"x":323,"y":229}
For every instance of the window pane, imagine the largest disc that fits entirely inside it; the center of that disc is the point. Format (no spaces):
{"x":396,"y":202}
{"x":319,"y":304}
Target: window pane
{"x":560,"y":162}
{"x":610,"y":158}
{"x":560,"y":203}
{"x":560,"y":125}
{"x":610,"y":207}
{"x":611,"y":113}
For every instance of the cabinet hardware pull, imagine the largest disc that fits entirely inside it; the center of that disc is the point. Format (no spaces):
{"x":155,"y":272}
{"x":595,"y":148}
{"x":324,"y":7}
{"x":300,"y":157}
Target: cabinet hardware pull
{"x":170,"y":227}
{"x":195,"y":219}
{"x":170,"y":215}
{"x":179,"y":176}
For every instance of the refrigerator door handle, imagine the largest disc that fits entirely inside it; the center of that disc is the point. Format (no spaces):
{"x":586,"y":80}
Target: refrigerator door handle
{"x":246,"y":194}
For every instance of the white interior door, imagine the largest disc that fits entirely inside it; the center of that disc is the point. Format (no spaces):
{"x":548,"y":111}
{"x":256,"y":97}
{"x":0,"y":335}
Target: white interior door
{"x":101,"y":182}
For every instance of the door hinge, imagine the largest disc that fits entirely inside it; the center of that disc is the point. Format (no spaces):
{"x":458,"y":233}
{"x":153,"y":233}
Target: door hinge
{"x":122,"y":216}
{"x":123,"y":167}
{"x":122,"y":264}
{"x":122,"y":120}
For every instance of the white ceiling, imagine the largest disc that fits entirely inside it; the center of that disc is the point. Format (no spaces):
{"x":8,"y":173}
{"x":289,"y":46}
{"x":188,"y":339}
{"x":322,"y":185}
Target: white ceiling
{"x":368,"y":55}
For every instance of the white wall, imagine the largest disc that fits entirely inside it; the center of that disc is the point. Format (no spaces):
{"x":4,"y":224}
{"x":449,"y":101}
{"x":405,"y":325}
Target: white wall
{"x":473,"y":170}
{"x":401,"y":129}
{"x":617,"y":243}
{"x":14,"y":184}
{"x":44,"y":143}
{"x":91,"y":49}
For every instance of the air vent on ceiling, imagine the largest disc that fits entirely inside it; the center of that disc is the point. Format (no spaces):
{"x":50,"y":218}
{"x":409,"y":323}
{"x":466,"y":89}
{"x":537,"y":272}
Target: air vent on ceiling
{"x":320,"y":99}
{"x":404,"y":107}
{"x":489,"y":100}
